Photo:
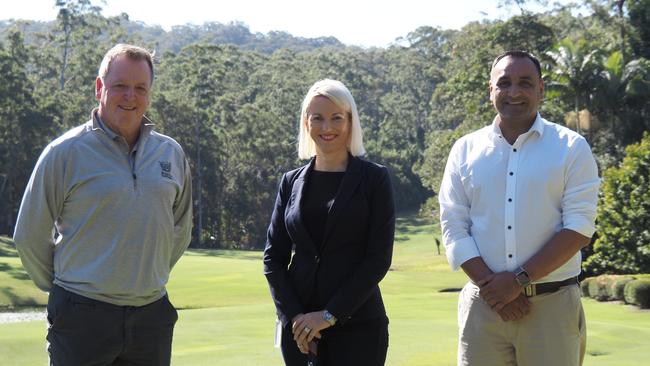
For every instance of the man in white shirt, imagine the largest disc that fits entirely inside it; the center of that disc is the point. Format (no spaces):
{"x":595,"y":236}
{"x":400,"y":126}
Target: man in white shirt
{"x":517,"y":203}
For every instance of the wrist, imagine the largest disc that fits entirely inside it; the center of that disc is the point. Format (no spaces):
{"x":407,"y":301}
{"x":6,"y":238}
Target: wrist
{"x":522,"y":278}
{"x":293,"y":320}
{"x":329,"y":318}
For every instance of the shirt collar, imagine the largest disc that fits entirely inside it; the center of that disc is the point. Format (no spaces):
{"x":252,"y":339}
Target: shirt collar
{"x":145,"y":128}
{"x":99,"y":124}
{"x":537,"y":127}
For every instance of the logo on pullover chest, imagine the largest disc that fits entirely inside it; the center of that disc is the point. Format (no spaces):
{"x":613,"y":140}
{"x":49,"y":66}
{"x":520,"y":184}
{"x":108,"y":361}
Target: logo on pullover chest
{"x":165,"y":169}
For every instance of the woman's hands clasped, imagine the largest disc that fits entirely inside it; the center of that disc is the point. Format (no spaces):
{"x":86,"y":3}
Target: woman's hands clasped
{"x":306,"y":329}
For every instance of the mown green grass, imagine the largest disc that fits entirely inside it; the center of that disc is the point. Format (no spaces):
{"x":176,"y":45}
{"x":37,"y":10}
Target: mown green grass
{"x":228,"y":317}
{"x":15,"y":286}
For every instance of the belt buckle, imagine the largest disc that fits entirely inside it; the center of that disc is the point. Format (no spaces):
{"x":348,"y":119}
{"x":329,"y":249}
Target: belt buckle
{"x":530,"y":290}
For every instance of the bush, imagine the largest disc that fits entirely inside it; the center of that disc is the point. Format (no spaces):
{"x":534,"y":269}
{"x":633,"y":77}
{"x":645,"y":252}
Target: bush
{"x":603,"y":287}
{"x":584,"y":286}
{"x":623,"y":218}
{"x":637,"y":292}
{"x":598,"y":288}
{"x":617,"y":288}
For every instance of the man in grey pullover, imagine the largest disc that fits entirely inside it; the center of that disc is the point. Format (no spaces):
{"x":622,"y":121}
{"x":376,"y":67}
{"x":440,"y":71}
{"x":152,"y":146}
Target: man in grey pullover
{"x":106,"y":214}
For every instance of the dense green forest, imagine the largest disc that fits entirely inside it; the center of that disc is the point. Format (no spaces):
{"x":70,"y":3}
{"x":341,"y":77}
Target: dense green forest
{"x":232,"y":98}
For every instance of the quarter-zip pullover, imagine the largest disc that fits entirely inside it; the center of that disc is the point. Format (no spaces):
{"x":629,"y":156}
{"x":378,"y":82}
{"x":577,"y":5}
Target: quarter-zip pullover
{"x":122,"y":218}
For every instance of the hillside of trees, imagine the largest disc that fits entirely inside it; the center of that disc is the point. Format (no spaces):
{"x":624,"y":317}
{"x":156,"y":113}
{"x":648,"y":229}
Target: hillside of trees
{"x":234,"y":33}
{"x":232,"y":98}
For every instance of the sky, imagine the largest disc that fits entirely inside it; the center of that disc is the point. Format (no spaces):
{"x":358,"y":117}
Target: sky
{"x":364,"y":23}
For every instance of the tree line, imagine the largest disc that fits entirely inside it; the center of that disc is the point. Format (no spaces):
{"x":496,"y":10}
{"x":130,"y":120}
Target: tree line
{"x":232,"y":98}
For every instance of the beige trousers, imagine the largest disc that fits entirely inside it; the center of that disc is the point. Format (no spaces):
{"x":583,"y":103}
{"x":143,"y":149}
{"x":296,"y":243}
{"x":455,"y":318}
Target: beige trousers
{"x":552,"y":334}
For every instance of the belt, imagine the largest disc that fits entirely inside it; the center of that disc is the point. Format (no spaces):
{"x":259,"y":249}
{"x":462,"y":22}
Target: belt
{"x":548,"y":287}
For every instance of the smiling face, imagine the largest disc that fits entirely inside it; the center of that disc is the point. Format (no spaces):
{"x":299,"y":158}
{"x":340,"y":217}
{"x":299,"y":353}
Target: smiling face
{"x":516,"y":90}
{"x":123,"y":94}
{"x":328,"y":126}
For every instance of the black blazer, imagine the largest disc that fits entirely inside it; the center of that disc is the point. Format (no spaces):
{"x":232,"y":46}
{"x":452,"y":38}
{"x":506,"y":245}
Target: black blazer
{"x":345,"y":269}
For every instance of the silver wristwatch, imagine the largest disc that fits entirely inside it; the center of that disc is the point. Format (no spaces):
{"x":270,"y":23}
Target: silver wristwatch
{"x":328,"y":317}
{"x":522,"y":277}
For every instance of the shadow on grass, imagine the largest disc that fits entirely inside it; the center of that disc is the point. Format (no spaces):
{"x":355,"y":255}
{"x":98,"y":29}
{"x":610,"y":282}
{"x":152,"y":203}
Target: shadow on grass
{"x":414,"y":224}
{"x":226,"y":253}
{"x":597,"y":353}
{"x":451,"y":289}
{"x":17,"y":300}
{"x":7,"y":248}
{"x":17,"y":273}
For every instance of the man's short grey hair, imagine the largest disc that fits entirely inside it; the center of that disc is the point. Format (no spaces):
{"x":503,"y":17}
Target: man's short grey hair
{"x":340,"y":95}
{"x":134,"y":53}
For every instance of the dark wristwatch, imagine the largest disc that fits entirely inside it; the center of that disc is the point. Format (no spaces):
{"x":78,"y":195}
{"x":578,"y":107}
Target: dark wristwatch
{"x":328,"y":317}
{"x":522,"y":277}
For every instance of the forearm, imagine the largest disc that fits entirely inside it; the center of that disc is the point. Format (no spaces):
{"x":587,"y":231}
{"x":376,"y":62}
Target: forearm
{"x":34,"y":238}
{"x":182,"y":238}
{"x":359,"y":287}
{"x":557,"y":251}
{"x":183,"y":218}
{"x":476,"y":269}
{"x":39,"y":265}
{"x":284,"y":297}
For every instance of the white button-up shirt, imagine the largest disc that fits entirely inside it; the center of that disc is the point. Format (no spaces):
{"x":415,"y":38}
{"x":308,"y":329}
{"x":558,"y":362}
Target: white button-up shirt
{"x":503,"y":202}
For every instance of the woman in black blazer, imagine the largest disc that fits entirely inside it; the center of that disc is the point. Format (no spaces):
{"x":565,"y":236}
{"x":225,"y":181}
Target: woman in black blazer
{"x":337,"y":215}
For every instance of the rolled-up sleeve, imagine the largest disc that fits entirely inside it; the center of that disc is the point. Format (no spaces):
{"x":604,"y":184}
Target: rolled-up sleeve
{"x":581,"y":193}
{"x":455,"y":219}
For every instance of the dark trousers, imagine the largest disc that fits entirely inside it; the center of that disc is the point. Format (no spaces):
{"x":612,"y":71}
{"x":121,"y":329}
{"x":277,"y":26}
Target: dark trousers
{"x":352,"y":344}
{"x":86,"y":332}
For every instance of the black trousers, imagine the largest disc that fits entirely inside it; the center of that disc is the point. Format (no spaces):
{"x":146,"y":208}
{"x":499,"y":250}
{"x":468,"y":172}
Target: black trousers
{"x":352,"y":344}
{"x":87,"y":332}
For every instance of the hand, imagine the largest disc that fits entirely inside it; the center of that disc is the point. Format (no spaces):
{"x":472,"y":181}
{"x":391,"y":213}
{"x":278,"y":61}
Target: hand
{"x":306,"y":327}
{"x":499,"y":289}
{"x":516,"y":309}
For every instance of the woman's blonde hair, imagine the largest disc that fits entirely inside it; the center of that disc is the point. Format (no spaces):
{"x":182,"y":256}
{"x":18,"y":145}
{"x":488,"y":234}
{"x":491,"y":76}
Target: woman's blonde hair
{"x":339,"y":94}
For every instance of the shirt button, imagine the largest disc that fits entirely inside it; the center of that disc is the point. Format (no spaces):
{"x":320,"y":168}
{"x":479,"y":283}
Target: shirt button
{"x":316,"y":259}
{"x":509,"y":227}
{"x":511,"y":173}
{"x":509,"y":199}
{"x":509,"y":255}
{"x":515,"y":150}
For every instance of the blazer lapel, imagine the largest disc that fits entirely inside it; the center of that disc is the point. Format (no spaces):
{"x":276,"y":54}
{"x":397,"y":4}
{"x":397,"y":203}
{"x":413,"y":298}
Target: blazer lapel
{"x":297,"y":192}
{"x":348,"y":185}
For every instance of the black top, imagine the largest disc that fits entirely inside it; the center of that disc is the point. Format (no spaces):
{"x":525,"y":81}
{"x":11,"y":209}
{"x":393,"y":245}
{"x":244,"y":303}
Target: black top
{"x":319,"y":197}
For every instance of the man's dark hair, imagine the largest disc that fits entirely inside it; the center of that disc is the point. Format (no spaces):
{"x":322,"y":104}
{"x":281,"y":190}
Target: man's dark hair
{"x":519,"y":54}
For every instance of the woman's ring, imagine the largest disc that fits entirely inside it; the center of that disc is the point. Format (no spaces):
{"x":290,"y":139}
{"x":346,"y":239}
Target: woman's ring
{"x":306,"y":329}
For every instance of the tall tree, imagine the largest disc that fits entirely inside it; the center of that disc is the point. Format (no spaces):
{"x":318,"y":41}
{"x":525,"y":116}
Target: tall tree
{"x":24,"y":127}
{"x":639,"y":18}
{"x":575,"y":72}
{"x":70,"y":17}
{"x":620,"y":96}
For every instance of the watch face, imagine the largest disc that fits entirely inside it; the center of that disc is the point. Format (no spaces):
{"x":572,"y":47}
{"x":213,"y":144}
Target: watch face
{"x":522,"y":278}
{"x":328,"y":317}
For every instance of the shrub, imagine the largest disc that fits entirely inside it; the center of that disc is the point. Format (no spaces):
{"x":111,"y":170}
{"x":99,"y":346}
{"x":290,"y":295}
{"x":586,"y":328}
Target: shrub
{"x":584,"y":286}
{"x":637,"y":292}
{"x":617,"y":288}
{"x":598,"y":288}
{"x":623,"y":218}
{"x":603,"y":287}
